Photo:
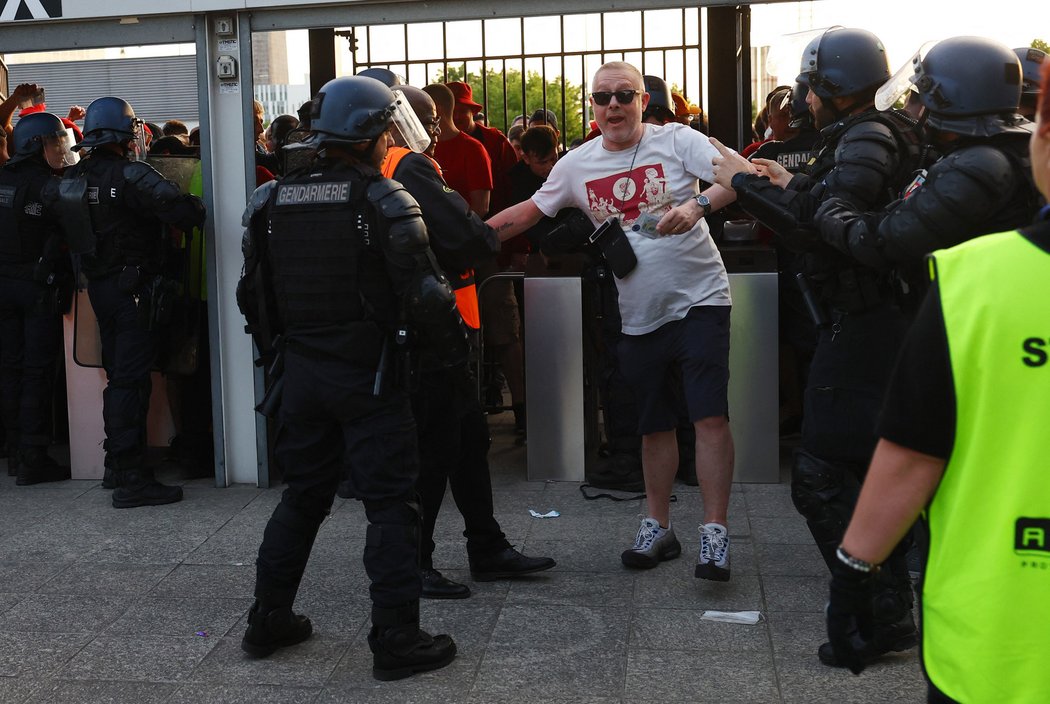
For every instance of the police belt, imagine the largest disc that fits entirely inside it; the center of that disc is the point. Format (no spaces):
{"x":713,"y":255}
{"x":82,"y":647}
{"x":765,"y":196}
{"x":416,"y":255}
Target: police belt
{"x":855,"y":290}
{"x":359,"y":343}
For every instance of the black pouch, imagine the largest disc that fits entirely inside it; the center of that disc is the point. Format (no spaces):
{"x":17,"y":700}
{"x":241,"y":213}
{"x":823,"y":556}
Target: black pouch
{"x":615,"y":247}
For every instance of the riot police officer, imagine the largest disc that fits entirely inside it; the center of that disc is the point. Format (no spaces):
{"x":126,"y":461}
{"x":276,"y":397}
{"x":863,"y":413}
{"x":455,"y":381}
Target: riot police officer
{"x":864,"y":157}
{"x":971,"y":88}
{"x":35,"y":285}
{"x":453,"y":434}
{"x":115,"y":213}
{"x":660,"y":109}
{"x":337,"y":262}
{"x":1031,"y":64}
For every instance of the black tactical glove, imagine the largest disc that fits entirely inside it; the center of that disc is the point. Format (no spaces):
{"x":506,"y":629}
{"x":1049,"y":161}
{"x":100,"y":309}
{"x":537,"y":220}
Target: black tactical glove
{"x":849,"y":614}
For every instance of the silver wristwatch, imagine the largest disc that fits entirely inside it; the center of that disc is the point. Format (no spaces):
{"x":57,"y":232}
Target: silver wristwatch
{"x":704,"y":203}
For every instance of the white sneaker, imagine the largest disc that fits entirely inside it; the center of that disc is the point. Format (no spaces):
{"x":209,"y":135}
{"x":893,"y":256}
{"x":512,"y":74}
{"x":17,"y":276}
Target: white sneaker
{"x":652,"y":546}
{"x":713,"y":562}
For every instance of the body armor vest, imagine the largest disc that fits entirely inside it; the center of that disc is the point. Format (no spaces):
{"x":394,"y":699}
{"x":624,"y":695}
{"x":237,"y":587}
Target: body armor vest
{"x":841,"y":282}
{"x":905,"y":132}
{"x":125,"y":236}
{"x":1026,"y":200}
{"x":24,"y":229}
{"x":328,"y":267}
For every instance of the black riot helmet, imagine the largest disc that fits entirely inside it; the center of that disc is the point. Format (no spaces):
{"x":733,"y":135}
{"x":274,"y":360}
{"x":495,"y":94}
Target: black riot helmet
{"x":384,"y":75}
{"x":843,"y":62}
{"x":43,"y":134}
{"x":1031,"y":64}
{"x":358,"y":109}
{"x":969,"y":85}
{"x":351,"y":110}
{"x":110,"y":121}
{"x":661,"y":105}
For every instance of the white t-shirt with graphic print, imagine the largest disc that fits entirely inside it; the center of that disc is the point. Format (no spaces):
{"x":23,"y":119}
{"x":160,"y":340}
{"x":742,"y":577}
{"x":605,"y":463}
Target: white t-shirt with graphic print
{"x":674,"y":272}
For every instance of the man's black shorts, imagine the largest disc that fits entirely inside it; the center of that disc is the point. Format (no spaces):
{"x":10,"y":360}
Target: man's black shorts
{"x":698,"y":345}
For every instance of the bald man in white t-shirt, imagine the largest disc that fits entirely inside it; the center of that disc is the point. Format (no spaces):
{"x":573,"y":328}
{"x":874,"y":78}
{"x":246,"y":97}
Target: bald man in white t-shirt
{"x":674,"y":304}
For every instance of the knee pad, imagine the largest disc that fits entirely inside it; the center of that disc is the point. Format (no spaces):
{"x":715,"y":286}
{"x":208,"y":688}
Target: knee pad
{"x":824,"y":492}
{"x":816,"y":483}
{"x":393,"y":519}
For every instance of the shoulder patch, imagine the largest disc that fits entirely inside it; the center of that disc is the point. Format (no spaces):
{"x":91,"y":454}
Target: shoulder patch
{"x":326,"y":193}
{"x":7,"y":196}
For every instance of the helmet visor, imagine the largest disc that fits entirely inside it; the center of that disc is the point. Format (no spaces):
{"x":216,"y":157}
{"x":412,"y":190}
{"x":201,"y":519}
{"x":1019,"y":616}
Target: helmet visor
{"x":903,"y":80}
{"x":408,"y":131}
{"x":138,"y":141}
{"x":58,"y":149}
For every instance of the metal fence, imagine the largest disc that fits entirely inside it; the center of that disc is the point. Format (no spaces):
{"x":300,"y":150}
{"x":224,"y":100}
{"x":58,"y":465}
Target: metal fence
{"x":566,"y":48}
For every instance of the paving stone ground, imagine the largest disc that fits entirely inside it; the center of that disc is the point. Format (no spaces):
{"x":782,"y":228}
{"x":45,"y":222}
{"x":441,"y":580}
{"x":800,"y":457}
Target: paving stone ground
{"x":148,"y":605}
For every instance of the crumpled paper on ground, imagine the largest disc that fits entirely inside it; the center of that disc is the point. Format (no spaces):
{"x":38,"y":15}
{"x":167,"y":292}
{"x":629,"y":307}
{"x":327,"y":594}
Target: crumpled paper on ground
{"x":746,"y":617}
{"x":550,"y":514}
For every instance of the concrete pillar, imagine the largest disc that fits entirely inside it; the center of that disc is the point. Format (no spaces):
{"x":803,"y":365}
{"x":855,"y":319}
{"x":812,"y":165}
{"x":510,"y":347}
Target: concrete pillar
{"x":227,"y":150}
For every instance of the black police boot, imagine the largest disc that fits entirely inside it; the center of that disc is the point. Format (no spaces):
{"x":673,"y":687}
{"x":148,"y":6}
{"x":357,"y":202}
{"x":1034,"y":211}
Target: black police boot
{"x":137,"y":487}
{"x":438,"y":586}
{"x":37,"y":467}
{"x":400,"y":649}
{"x":194,"y":452}
{"x":273,"y":628}
{"x":506,"y":563}
{"x":894,"y":627}
{"x":110,"y":478}
{"x":895,"y":638}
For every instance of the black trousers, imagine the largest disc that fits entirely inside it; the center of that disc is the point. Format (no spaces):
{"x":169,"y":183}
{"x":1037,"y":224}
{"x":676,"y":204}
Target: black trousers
{"x":328,"y":413}
{"x":847,"y":380}
{"x":129,"y":350}
{"x":31,"y":343}
{"x":454,"y":445}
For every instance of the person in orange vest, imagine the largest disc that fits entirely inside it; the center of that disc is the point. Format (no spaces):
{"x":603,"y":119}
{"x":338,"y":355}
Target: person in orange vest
{"x":453,"y":432}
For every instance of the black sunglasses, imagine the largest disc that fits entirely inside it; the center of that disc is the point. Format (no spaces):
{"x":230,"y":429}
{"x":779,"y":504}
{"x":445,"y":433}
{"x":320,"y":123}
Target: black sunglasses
{"x":623,"y":97}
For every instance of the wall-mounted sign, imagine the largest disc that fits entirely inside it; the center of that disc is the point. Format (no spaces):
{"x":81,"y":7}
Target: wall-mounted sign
{"x":43,"y":10}
{"x":30,"y":10}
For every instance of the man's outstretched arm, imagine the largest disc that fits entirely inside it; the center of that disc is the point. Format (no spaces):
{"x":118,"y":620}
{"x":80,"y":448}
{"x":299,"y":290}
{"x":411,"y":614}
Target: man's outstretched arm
{"x":515,"y":219}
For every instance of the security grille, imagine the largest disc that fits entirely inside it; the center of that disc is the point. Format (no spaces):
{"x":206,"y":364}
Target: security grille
{"x":518,"y":65}
{"x":159,"y":88}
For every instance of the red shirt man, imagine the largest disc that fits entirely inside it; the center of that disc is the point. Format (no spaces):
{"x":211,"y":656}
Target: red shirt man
{"x":500,"y":151}
{"x":464,"y":161}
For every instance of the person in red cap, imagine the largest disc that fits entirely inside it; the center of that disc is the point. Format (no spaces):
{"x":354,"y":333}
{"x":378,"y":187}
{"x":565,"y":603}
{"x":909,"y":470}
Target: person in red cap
{"x":496,"y":144}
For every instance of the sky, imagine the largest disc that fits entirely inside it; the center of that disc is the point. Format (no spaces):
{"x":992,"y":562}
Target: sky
{"x":902,"y":25}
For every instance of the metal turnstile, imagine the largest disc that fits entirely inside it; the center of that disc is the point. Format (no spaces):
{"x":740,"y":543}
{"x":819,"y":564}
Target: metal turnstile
{"x":554,"y":378}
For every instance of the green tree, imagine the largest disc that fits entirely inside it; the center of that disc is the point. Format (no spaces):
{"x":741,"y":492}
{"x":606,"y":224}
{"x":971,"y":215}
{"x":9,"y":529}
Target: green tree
{"x":1041,"y":45}
{"x":535,"y":90}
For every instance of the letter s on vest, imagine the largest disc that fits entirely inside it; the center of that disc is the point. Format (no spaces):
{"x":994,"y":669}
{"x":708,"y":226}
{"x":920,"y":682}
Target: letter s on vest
{"x":1036,"y":352}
